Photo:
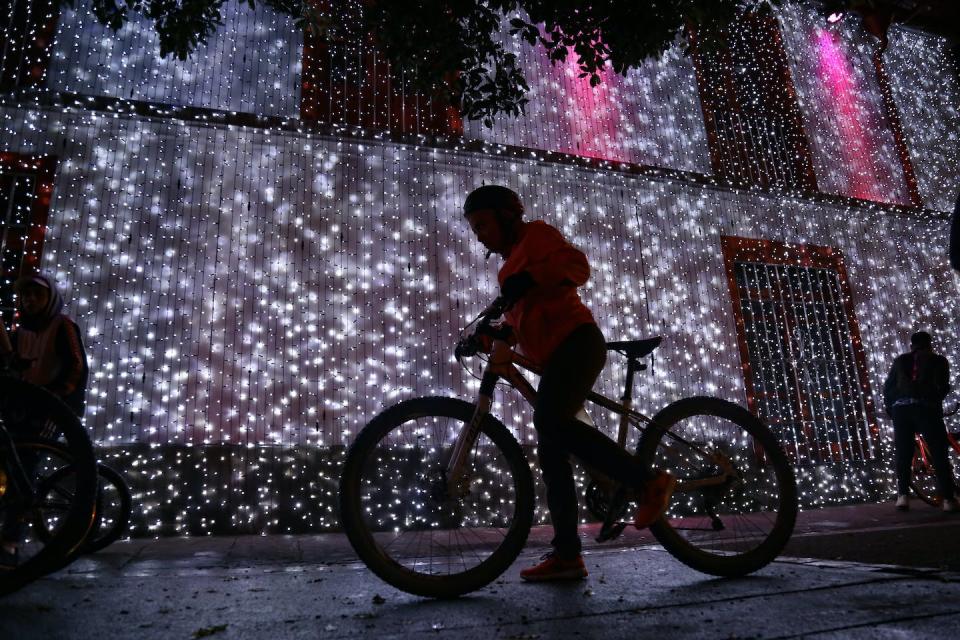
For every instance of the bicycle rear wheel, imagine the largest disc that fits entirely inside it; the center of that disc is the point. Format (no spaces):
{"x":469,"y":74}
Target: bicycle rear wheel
{"x":744,"y":520}
{"x":397,"y":511}
{"x":28,"y":410}
{"x":924,"y":477}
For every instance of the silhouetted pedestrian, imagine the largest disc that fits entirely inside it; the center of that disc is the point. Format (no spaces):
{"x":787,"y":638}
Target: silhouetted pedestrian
{"x":913,"y":396}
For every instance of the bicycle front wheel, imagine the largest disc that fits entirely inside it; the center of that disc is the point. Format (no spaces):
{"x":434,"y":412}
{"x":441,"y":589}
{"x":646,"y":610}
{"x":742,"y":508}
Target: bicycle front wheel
{"x":404,"y":521}
{"x":735,"y":504}
{"x":924,"y":476}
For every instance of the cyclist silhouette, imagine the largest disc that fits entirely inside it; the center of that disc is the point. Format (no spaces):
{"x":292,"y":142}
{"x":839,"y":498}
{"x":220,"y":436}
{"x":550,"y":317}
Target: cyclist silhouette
{"x":550,"y":324}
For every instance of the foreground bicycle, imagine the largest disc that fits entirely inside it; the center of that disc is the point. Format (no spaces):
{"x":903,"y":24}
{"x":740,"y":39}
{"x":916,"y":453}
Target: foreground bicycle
{"x":437,"y":497}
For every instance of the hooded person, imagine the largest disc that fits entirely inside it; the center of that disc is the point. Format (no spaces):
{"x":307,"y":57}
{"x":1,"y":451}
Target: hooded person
{"x":47,"y":346}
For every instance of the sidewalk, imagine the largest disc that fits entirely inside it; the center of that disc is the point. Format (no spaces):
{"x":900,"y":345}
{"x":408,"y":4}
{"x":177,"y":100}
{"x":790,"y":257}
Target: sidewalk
{"x":292,"y":587}
{"x":870,"y":533}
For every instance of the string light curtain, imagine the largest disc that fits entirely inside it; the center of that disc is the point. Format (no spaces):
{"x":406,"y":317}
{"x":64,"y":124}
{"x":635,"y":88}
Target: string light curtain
{"x":851,"y":138}
{"x":651,"y":116}
{"x":929,"y":101}
{"x":253,"y":288}
{"x":750,"y":107}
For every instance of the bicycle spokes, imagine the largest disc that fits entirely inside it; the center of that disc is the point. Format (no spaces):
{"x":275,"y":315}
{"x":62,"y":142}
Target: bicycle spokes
{"x":418,"y":515}
{"x":727,"y":497}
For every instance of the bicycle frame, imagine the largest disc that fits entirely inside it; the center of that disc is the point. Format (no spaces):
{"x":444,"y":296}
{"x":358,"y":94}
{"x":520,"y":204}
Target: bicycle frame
{"x":503,"y":365}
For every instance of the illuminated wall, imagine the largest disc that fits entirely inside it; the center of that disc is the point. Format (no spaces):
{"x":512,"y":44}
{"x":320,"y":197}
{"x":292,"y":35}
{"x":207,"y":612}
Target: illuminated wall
{"x":251,"y":296}
{"x":853,"y":146}
{"x":929,"y":102}
{"x":252,"y":66}
{"x":650,"y":116}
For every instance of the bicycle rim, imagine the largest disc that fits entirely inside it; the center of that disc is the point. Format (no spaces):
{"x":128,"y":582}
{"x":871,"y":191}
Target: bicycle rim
{"x":399,"y":514}
{"x":114,"y":506}
{"x":924,"y":477}
{"x":740,"y":524}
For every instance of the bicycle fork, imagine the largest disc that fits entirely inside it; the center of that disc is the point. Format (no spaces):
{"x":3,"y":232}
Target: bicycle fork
{"x":455,"y":471}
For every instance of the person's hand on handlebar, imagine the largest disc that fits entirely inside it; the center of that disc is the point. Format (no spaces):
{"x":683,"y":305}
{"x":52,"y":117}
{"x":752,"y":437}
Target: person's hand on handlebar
{"x":483,"y":337}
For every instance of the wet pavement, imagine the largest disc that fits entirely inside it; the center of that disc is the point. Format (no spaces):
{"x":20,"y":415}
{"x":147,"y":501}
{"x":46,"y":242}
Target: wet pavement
{"x":864,"y":571}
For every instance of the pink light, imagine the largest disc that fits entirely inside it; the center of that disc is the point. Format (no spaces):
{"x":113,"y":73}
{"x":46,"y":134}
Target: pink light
{"x":857,"y":145}
{"x":834,"y":18}
{"x":591,"y":113}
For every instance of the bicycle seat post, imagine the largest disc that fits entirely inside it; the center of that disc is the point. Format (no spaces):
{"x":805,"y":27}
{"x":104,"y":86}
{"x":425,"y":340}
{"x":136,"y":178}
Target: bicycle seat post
{"x":627,"y":399}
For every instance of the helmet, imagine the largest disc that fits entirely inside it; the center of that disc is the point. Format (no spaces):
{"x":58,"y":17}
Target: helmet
{"x":492,"y":196}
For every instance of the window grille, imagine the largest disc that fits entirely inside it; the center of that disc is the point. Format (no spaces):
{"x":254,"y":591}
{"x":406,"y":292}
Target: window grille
{"x":803,"y":361}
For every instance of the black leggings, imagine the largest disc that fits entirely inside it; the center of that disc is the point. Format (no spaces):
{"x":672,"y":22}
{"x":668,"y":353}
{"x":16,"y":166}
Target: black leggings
{"x":568,"y":377}
{"x":917,"y":418}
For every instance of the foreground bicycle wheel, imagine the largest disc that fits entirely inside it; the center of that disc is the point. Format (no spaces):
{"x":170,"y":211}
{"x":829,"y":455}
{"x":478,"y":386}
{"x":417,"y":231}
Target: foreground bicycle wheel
{"x":735,"y":527}
{"x":114,"y":502}
{"x":30,"y":411}
{"x":924,"y":477}
{"x":397,"y":511}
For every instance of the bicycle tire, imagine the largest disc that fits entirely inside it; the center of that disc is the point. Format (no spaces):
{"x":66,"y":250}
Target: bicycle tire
{"x":923,"y":479}
{"x":99,"y":536}
{"x":757,"y":446}
{"x":367,"y":455}
{"x":22,"y":402}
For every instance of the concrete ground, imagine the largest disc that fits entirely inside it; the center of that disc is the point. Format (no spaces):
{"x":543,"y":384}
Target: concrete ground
{"x":864,"y":571}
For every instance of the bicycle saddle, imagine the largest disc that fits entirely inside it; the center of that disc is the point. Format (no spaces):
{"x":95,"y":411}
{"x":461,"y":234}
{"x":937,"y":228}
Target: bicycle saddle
{"x":635,"y":348}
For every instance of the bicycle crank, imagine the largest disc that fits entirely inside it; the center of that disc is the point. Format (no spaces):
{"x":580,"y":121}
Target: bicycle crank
{"x":613,"y":526}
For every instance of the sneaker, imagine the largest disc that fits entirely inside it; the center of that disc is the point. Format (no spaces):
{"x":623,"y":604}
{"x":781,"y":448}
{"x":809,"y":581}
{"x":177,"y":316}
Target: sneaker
{"x":950,"y":505}
{"x":654,"y":498}
{"x":903,"y":502}
{"x":8,"y":559}
{"x":553,"y":567}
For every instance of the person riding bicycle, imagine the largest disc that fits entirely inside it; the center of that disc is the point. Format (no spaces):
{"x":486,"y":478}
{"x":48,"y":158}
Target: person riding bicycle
{"x":913,"y":396}
{"x":550,"y":324}
{"x":47,"y":350}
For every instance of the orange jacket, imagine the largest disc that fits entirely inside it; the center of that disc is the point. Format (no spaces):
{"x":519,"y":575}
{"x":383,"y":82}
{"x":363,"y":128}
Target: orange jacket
{"x":552,"y":309}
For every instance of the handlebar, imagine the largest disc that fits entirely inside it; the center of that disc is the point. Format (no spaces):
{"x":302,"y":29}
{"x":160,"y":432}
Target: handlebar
{"x":470,"y":345}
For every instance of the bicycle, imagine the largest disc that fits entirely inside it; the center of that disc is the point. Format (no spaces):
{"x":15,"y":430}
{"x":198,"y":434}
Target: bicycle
{"x":437,"y":497}
{"x":924,"y":478}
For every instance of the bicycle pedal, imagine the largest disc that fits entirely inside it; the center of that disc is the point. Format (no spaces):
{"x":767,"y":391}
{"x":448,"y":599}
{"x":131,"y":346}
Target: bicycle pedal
{"x":611,"y":532}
